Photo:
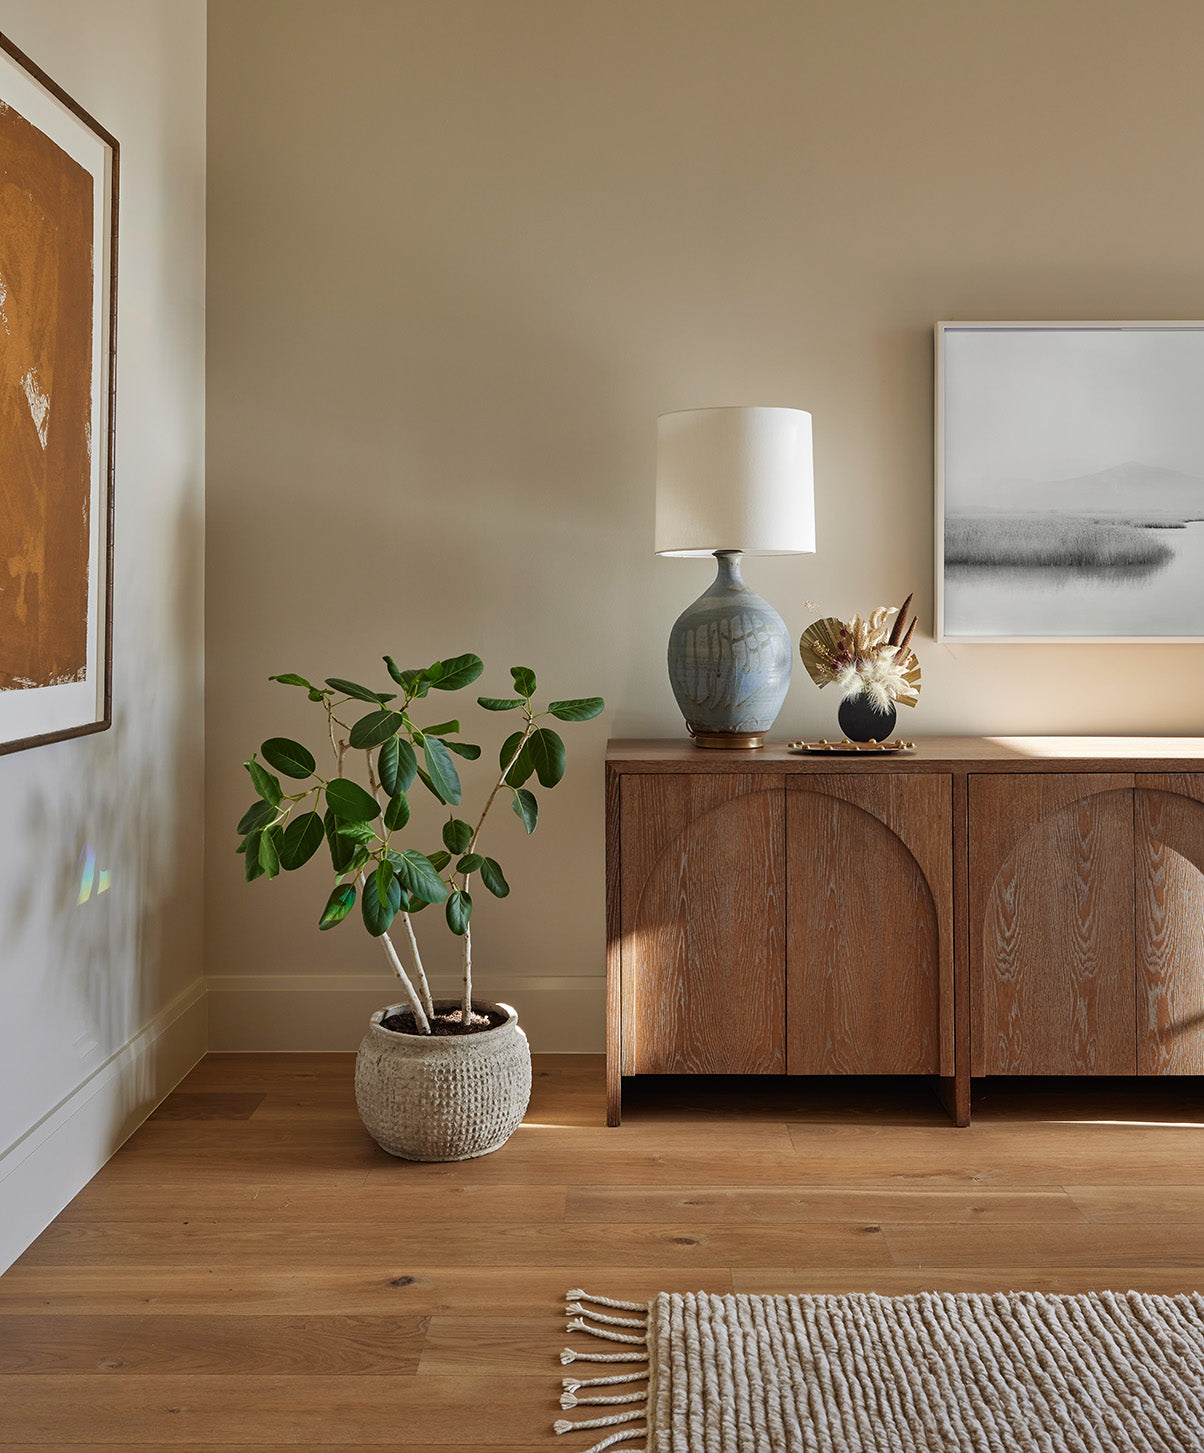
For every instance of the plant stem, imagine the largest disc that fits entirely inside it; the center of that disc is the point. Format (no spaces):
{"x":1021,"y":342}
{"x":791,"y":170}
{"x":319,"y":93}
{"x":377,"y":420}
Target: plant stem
{"x":424,"y":987}
{"x":466,"y":1003}
{"x":416,"y":1006}
{"x":466,"y":1006}
{"x":472,"y":846}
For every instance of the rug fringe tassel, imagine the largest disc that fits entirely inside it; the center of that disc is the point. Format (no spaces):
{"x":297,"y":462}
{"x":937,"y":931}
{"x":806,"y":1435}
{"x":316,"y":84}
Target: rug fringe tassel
{"x":575,"y":1309}
{"x":620,"y":1437}
{"x":577,"y":1325}
{"x":577,"y":1313}
{"x":568,"y":1355}
{"x":571,"y":1384}
{"x":577,"y":1295}
{"x":563,"y":1425}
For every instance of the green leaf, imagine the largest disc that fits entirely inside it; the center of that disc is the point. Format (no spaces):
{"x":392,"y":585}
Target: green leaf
{"x":469,"y":863}
{"x":315,"y":695}
{"x":259,"y":814}
{"x":342,"y":850}
{"x":288,"y":757}
{"x":381,"y":901}
{"x":397,"y":812}
{"x":438,"y":860}
{"x":442,"y":729}
{"x":350,"y":801}
{"x":356,"y":832}
{"x":546,"y":751}
{"x":526,"y":809}
{"x":457,"y":834}
{"x":581,"y":708}
{"x":264,"y":783}
{"x":242,"y":847}
{"x":457,"y":672}
{"x":290,"y":678}
{"x":252,"y":866}
{"x":404,"y":679}
{"x":353,"y":688}
{"x":520,"y":766}
{"x":398,"y":766}
{"x":427,"y":783}
{"x":302,"y":839}
{"x":373,"y":729}
{"x":499,"y":703}
{"x":270,"y":840}
{"x":464,"y":749}
{"x":419,"y":875}
{"x":458,"y":911}
{"x":410,"y":904}
{"x":441,"y":770}
{"x":493,"y":878}
{"x":387,"y":762}
{"x":338,"y":905}
{"x":524,"y":680}
{"x":359,"y":859}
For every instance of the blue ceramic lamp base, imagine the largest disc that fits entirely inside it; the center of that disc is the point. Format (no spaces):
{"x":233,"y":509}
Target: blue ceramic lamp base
{"x":729,"y":662}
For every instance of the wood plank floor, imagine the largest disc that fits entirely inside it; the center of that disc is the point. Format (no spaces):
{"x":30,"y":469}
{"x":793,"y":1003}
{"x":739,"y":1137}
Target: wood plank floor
{"x":251,"y":1273}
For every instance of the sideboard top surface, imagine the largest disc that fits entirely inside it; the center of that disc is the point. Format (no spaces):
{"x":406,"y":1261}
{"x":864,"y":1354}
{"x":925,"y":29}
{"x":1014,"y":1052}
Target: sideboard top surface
{"x":931,"y":754}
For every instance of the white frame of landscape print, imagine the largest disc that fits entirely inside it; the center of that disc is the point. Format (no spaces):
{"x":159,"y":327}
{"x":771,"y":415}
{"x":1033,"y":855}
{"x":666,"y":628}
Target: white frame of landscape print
{"x":58,"y":339}
{"x":1069,"y":482}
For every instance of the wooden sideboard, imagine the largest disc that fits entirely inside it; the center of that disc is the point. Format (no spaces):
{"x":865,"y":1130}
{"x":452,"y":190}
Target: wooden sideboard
{"x":978,"y":906}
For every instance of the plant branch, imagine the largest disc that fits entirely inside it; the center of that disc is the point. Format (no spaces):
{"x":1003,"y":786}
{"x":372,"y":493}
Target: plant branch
{"x":424,"y":987}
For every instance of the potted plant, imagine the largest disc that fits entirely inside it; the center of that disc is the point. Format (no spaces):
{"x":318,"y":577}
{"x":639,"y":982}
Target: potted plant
{"x":435,"y":1080}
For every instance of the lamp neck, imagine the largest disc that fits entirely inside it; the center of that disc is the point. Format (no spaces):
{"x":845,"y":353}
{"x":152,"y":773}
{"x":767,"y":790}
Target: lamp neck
{"x":729,"y":577}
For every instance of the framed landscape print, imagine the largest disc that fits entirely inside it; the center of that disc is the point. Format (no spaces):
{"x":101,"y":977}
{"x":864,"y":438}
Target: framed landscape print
{"x":1070,"y":481}
{"x":58,"y":228}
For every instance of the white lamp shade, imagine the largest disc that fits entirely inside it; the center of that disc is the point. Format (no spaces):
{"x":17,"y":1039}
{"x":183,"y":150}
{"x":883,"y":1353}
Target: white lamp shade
{"x":735,"y":479}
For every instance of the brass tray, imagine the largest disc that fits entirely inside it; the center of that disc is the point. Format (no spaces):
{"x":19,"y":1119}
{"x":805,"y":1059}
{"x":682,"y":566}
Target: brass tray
{"x":845,"y":747}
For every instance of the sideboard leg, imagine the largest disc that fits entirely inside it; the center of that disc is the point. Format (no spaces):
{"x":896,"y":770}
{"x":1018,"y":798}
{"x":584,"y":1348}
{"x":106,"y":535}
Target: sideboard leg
{"x":955,"y":1096}
{"x":614,"y":1094}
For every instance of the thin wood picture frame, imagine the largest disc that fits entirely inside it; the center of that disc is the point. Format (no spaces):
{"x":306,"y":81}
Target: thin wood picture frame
{"x":59,"y":177}
{"x":1069,"y":482}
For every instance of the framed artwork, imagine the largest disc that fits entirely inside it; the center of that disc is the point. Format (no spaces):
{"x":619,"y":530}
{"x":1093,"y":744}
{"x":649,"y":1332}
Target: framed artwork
{"x":1070,"y":481}
{"x":58,"y":316}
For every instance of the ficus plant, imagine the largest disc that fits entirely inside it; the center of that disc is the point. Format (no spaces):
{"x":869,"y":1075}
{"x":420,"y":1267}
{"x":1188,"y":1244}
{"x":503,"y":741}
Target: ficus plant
{"x":362,"y":827}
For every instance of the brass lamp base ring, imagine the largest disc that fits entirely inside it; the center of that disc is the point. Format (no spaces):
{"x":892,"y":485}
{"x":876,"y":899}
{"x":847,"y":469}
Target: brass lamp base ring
{"x":742,"y":740}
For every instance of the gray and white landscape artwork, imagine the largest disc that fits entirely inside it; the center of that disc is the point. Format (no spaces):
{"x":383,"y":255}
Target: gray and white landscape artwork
{"x":1071,"y":482}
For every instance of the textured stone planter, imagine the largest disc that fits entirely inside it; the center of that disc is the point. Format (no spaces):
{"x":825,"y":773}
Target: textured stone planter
{"x":453,"y":1098}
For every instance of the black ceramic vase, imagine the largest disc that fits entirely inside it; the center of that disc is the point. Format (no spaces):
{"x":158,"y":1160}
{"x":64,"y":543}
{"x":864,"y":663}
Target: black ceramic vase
{"x":861,"y":721}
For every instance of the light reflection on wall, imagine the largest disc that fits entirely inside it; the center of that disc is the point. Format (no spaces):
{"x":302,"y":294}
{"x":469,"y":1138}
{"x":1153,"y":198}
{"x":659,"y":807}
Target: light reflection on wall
{"x":89,"y":877}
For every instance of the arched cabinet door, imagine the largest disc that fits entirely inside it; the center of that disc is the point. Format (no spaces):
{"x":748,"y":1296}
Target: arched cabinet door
{"x":869,"y":944}
{"x":1168,"y":821}
{"x":702,"y":907}
{"x":1052,"y":924}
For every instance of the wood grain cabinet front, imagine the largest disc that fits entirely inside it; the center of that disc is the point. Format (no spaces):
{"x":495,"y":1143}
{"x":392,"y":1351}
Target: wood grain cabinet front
{"x":1087,"y":913}
{"x":703,"y":892}
{"x":869,"y":940}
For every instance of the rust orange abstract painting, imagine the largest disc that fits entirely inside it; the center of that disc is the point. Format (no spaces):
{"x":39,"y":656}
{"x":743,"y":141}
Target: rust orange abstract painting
{"x":45,"y":407}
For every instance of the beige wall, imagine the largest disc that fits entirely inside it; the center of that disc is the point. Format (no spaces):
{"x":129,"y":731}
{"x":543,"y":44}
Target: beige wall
{"x":102,"y":1001}
{"x":463,"y":252}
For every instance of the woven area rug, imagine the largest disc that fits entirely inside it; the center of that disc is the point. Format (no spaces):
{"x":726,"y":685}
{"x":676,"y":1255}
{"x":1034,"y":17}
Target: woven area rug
{"x":1100,"y":1372}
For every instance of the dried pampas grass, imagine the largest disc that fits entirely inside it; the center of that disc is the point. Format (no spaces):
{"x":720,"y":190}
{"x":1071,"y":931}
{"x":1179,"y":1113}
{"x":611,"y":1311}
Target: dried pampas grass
{"x":861,"y":655}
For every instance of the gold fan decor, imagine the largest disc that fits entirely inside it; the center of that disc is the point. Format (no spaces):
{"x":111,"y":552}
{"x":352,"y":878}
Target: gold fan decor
{"x":863,"y":657}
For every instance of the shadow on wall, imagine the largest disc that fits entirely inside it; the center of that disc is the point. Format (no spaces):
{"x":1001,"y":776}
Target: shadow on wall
{"x":103,"y":890}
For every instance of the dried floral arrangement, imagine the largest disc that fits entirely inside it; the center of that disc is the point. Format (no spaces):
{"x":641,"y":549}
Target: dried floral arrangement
{"x":861,"y":655}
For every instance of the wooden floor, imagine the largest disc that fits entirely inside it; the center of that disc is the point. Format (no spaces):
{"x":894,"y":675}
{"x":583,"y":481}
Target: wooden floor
{"x":251,"y":1272}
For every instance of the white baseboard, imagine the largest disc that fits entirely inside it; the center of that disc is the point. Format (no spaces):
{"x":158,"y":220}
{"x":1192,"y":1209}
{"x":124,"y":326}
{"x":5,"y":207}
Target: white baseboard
{"x":274,"y":1012}
{"x":54,"y":1159}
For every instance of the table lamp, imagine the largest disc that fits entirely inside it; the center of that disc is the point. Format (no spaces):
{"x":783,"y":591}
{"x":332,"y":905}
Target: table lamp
{"x":732,"y":482}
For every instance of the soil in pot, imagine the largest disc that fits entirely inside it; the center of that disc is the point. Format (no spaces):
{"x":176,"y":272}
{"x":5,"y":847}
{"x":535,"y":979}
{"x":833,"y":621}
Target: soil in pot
{"x":449,"y":1022}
